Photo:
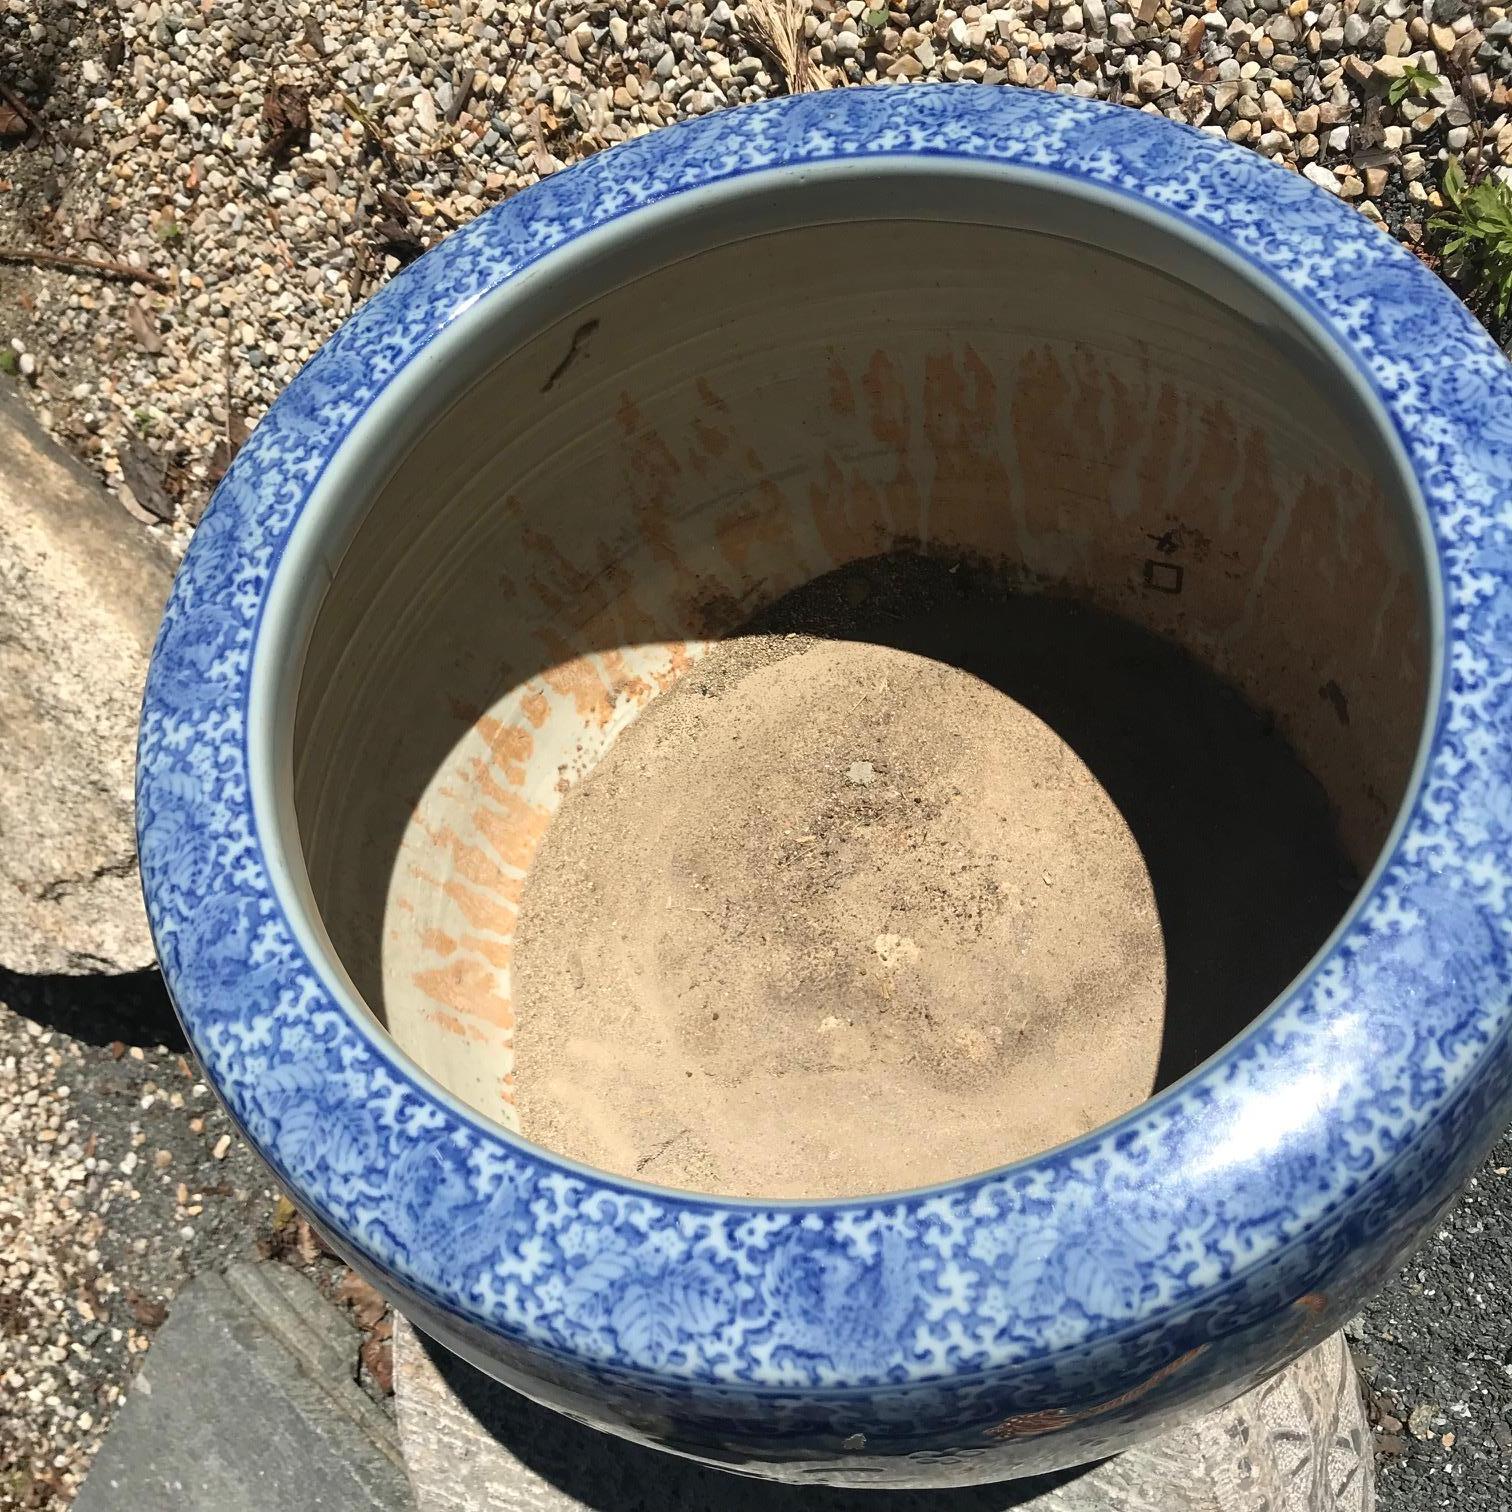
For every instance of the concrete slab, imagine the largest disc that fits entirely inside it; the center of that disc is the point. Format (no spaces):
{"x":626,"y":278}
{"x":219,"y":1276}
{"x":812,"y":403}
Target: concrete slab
{"x":247,"y":1401}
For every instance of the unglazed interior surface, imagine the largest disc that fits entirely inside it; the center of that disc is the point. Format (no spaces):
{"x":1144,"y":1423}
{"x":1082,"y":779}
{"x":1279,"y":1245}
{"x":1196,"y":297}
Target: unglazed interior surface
{"x":587,"y":508}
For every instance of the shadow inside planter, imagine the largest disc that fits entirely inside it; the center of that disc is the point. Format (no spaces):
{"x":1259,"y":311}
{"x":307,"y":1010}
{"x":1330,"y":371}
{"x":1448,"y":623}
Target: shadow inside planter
{"x":1237,"y":835}
{"x":610,"y":1474}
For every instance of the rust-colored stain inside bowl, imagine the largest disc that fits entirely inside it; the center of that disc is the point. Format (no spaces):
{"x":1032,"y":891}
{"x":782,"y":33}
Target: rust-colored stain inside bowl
{"x":522,"y":592}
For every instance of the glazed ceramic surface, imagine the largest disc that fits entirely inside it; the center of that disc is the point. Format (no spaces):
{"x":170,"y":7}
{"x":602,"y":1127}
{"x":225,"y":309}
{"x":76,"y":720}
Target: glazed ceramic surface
{"x":1032,"y":1317}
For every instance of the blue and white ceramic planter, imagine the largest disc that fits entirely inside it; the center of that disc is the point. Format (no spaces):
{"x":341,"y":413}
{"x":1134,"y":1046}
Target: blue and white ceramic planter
{"x":538,"y":437}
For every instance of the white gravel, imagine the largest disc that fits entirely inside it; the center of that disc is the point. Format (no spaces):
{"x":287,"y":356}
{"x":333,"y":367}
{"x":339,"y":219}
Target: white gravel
{"x":150,"y":151}
{"x":420,"y":117}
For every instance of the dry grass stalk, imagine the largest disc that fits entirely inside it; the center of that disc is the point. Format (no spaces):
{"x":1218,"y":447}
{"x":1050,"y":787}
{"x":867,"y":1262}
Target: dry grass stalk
{"x":777,"y":28}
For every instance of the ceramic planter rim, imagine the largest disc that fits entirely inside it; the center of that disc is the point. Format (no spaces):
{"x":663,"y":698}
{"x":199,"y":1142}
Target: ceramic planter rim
{"x":684,"y":161}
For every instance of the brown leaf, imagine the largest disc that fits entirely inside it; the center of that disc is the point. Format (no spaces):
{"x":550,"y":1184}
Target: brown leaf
{"x":141,"y":326}
{"x":399,"y":241}
{"x":89,"y":1293}
{"x":378,"y":1356}
{"x":286,"y":114}
{"x":368,"y":1307}
{"x":17,"y":118}
{"x":461,"y":95}
{"x":307,"y":1242}
{"x":237,"y":431}
{"x":313,"y":37}
{"x":149,"y":1314}
{"x":142,"y":472}
{"x":397,"y":206}
{"x":117,"y":1049}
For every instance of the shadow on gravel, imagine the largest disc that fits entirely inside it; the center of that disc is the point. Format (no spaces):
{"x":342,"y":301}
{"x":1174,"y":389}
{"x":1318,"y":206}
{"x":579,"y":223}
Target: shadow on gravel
{"x":134,"y":1009}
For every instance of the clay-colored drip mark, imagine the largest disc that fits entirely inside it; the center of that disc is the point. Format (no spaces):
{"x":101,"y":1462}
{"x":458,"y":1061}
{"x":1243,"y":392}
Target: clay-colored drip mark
{"x":577,"y":678}
{"x":497,"y":952}
{"x":470,"y":989}
{"x":713,"y":441}
{"x":970,"y":503}
{"x":470,"y":862}
{"x":511,"y":826}
{"x":621,"y":603}
{"x":604,"y":611}
{"x":842,"y":397}
{"x":509,"y":747}
{"x":437,"y":942}
{"x":597,"y":683}
{"x":765,"y":522}
{"x":652,"y":470}
{"x":548,"y":561}
{"x":1079,"y":437}
{"x":1209,"y":490}
{"x":438,"y":1018}
{"x":1119,"y":431}
{"x":463,"y":711}
{"x":480,"y":910}
{"x":679,"y":659}
{"x":844,"y":514}
{"x":607,"y":611}
{"x":1164,"y":446}
{"x":711,"y":399}
{"x":624,"y":685}
{"x":891,"y":422}
{"x":534,"y":706}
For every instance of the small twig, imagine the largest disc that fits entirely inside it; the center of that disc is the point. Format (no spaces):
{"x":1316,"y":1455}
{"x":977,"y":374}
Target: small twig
{"x":22,"y":109}
{"x":1455,"y":66}
{"x":86,"y":265}
{"x":385,"y":147}
{"x":517,"y":57}
{"x":226,"y":368}
{"x":461,"y":95}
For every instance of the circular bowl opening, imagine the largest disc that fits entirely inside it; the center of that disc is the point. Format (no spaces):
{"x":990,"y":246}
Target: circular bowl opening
{"x":845,"y":680}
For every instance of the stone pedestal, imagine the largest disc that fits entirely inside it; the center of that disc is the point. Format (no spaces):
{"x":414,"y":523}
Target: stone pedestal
{"x":1299,"y":1443}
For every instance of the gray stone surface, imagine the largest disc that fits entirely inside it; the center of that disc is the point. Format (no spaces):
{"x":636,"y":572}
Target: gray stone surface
{"x":81,"y":590}
{"x":247,"y":1403}
{"x":1299,"y":1443}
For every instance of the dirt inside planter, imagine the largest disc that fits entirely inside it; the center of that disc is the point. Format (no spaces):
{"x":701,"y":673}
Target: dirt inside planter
{"x":915,"y":876}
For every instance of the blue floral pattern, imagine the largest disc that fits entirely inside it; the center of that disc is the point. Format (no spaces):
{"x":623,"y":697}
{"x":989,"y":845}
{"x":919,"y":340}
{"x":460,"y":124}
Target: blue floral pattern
{"x":1191,"y":1247}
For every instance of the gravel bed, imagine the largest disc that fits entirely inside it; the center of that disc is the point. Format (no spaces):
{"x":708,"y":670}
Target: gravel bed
{"x":120,"y":1178}
{"x":273,"y":163}
{"x":1434,"y":1351}
{"x":263,"y":167}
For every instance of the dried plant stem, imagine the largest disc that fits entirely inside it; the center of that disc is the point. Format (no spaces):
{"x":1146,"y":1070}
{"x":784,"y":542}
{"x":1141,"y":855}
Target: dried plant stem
{"x":85,"y":265}
{"x":777,"y":29}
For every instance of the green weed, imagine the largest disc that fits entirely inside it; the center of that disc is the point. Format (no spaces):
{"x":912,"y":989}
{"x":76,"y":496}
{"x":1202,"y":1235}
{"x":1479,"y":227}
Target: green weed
{"x":1477,"y":228}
